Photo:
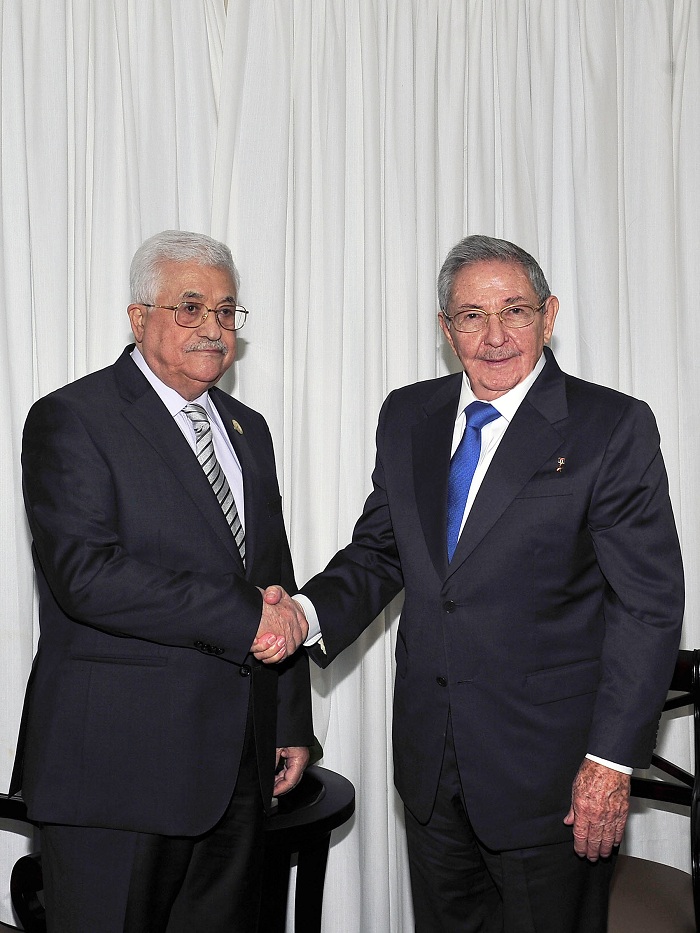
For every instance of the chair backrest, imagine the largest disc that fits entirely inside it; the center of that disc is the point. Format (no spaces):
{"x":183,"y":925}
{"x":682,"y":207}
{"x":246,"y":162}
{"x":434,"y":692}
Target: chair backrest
{"x":683,"y":787}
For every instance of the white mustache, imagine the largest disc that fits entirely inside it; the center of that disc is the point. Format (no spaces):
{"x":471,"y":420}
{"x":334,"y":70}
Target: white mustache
{"x":217,"y":344}
{"x":497,"y":355}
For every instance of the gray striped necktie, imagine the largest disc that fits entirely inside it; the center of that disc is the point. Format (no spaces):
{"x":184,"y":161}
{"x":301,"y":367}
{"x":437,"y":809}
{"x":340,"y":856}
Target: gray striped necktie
{"x":214,"y":473}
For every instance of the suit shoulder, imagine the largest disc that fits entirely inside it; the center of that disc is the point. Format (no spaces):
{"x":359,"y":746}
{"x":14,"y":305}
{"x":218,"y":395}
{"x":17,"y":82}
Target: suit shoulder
{"x":86,"y":391}
{"x":419,"y":393}
{"x":602,"y":412}
{"x":602,"y":398}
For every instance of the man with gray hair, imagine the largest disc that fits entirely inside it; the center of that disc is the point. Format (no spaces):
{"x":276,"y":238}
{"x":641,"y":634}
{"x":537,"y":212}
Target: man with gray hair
{"x":526,"y":514}
{"x":151,"y":735}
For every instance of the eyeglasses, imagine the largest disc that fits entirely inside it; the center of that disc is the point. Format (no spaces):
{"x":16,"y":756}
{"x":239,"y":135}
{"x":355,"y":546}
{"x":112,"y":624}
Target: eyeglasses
{"x":194,"y":313}
{"x":472,"y":320}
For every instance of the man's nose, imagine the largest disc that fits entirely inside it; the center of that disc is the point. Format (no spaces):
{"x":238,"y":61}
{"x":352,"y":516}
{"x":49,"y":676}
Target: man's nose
{"x":209,"y":326}
{"x":495,"y":331}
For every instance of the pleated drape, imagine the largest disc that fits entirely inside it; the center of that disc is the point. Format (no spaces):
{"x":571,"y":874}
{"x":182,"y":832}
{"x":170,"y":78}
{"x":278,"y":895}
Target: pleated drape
{"x":341,"y":147}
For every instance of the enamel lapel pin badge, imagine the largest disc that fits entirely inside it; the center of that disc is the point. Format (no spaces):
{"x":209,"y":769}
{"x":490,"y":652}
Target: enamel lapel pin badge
{"x":560,"y":464}
{"x":236,"y":426}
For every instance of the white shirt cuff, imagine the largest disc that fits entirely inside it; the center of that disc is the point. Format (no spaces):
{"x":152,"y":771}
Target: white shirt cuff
{"x":610,"y":764}
{"x":314,"y":637}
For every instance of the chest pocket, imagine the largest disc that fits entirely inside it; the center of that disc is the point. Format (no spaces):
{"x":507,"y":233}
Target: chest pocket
{"x":552,"y":487}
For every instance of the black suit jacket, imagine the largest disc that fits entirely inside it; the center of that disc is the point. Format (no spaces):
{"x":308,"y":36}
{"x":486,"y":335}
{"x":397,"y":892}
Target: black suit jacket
{"x":553,"y":631}
{"x":137,"y":702}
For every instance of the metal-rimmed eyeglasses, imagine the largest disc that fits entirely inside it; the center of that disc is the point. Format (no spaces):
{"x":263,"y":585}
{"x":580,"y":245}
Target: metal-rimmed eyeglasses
{"x":194,"y":313}
{"x":472,"y":319}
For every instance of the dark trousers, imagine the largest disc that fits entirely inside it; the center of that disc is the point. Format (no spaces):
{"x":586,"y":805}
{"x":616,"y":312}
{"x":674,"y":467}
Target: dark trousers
{"x":460,"y":886}
{"x":114,"y":881}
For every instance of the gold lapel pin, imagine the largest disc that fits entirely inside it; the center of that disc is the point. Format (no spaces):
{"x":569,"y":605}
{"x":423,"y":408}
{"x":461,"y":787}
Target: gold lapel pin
{"x":560,"y":464}
{"x":236,"y":426}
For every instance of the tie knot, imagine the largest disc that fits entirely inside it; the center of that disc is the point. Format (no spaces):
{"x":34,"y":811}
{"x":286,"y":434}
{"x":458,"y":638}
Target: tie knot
{"x":479,"y":414}
{"x":197,"y":415}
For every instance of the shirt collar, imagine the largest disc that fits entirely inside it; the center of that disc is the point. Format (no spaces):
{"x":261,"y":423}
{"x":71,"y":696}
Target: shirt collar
{"x":508,"y":403}
{"x":172,"y":400}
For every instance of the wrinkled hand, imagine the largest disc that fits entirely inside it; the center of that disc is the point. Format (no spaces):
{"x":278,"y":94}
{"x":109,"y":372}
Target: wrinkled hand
{"x":295,"y":759}
{"x":283,"y":627}
{"x":599,"y":807}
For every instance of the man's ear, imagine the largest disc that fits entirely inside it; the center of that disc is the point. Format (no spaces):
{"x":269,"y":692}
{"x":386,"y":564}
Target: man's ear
{"x":550,"y":314}
{"x":137,"y":318}
{"x":446,"y":330}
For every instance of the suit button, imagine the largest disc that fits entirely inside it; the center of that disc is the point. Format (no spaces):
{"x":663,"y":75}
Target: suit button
{"x":442,"y":681}
{"x":218,"y":650}
{"x":244,"y":671}
{"x":449,"y":606}
{"x":199,"y":644}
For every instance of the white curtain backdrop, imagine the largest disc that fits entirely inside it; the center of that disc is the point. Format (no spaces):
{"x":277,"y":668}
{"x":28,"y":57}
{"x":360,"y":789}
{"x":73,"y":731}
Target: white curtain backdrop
{"x":341,"y":147}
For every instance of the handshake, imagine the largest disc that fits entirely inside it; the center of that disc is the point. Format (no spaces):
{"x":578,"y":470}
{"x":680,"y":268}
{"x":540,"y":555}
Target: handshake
{"x":283,"y":627}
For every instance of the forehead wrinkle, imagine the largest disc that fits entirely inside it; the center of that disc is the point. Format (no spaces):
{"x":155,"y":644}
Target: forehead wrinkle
{"x":506,"y":302}
{"x":190,"y":293}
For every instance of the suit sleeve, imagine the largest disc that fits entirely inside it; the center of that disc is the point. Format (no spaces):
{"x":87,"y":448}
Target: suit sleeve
{"x":73,"y":506}
{"x":294,"y":716}
{"x":364,"y":577}
{"x":636,"y":544}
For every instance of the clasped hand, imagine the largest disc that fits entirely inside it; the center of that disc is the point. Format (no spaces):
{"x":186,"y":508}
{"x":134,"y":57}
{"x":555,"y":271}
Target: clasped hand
{"x":283,"y":627}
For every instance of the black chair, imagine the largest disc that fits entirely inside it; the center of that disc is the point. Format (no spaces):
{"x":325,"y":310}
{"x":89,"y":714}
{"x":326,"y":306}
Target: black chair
{"x":26,"y":883}
{"x":645,"y":895}
{"x":301,"y":825}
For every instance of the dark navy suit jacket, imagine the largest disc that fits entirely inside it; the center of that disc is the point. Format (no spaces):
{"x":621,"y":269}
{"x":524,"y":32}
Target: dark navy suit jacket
{"x":554,"y":630}
{"x":137,"y":702}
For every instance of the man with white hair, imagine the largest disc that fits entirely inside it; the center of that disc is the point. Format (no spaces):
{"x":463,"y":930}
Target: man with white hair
{"x":151,"y":735}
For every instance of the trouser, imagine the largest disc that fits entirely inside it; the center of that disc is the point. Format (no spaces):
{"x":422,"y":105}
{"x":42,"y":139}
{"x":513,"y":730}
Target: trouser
{"x":460,"y":886}
{"x":114,"y":881}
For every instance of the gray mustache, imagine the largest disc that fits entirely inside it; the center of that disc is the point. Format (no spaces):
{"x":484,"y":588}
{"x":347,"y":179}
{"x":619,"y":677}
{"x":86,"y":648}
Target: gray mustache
{"x":207,"y":345}
{"x":498,"y":355}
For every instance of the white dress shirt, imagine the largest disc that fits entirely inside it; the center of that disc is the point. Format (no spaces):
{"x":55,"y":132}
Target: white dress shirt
{"x":492,"y":433}
{"x":223,"y":448}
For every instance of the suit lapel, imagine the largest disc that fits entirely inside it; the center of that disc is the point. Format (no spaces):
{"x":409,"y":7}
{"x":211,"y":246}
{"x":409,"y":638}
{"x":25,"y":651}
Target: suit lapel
{"x":432,"y":445}
{"x":227,"y":408}
{"x":530,"y":440}
{"x":146,"y":412}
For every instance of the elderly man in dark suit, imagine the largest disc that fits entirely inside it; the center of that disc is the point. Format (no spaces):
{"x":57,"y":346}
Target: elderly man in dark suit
{"x":526,"y":513}
{"x":150,"y":734}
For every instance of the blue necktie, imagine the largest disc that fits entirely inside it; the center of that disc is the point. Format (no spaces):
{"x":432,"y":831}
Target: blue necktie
{"x":462,"y":467}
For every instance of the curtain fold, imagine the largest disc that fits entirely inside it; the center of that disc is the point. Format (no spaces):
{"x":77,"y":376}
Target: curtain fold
{"x":109,"y":130}
{"x":341,"y":147}
{"x":398,"y":128}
